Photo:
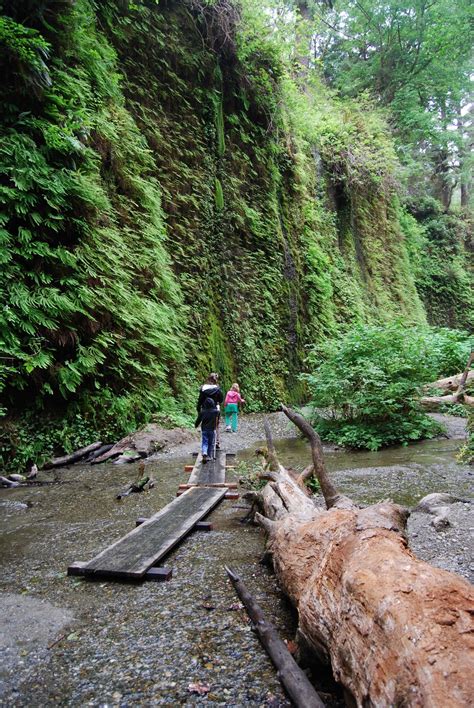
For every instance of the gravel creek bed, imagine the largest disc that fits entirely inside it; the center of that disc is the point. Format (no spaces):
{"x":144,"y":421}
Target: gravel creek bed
{"x":66,"y":641}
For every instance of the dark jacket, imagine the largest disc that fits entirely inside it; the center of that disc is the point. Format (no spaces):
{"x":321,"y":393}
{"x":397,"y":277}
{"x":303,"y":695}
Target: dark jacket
{"x":208,"y":415}
{"x":209,"y":391}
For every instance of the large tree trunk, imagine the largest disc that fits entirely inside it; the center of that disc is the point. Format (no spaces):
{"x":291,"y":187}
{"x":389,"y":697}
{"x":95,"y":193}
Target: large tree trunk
{"x":396,"y":630}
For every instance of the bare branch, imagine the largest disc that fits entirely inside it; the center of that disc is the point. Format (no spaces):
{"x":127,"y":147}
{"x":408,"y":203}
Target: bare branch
{"x":462,"y":383}
{"x":307,"y":473}
{"x":268,"y":476}
{"x":330,"y":493}
{"x":267,"y":524}
{"x":269,"y":436}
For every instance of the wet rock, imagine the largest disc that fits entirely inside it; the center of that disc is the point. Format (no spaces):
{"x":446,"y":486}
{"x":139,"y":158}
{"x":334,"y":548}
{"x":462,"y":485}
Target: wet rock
{"x":441,"y":521}
{"x":432,"y":502}
{"x":14,"y":505}
{"x":129,"y":456}
{"x":150,"y":439}
{"x":453,"y":549}
{"x":455,"y":426}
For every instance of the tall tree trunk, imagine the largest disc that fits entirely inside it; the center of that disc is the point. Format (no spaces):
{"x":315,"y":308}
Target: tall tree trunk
{"x":465,"y":125}
{"x":443,"y":178}
{"x":443,"y":187}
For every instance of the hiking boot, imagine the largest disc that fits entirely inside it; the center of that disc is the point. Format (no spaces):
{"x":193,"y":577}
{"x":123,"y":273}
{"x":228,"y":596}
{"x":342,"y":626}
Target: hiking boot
{"x":204,"y":459}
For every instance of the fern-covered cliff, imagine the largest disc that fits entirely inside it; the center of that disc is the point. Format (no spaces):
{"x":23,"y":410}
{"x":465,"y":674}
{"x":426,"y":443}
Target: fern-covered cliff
{"x":175,"y":201}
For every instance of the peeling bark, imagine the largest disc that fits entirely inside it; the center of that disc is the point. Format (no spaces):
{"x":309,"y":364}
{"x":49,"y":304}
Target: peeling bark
{"x":396,"y":630}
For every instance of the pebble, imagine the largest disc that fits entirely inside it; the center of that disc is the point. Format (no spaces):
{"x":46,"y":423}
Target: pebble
{"x":144,"y":645}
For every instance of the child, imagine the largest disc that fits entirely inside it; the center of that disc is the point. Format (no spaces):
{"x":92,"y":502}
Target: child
{"x":232,"y":400}
{"x":211,"y":389}
{"x":208,"y":417}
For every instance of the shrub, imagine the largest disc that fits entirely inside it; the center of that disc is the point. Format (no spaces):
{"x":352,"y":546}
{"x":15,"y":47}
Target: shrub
{"x":365,"y":392}
{"x":449,"y":350}
{"x":249,"y":474}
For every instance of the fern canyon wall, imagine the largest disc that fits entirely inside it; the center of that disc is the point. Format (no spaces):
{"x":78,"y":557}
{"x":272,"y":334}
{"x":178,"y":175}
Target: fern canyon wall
{"x":174,"y":203}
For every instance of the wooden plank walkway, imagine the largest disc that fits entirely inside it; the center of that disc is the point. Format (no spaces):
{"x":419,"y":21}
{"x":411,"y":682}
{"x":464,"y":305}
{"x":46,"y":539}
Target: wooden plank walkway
{"x":212,"y":473}
{"x":131,"y":556}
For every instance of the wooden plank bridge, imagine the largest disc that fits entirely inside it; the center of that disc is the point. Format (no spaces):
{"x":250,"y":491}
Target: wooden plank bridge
{"x":136,"y":555}
{"x":211,"y":474}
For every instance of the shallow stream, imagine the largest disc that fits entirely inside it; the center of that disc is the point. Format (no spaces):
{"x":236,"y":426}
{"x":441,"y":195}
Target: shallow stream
{"x":71,"y":642}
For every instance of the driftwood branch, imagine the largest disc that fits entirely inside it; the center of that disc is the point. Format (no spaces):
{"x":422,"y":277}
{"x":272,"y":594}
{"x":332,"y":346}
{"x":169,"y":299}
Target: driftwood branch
{"x":307,"y":473}
{"x":292,"y":677}
{"x":271,"y":457}
{"x":73,"y":457}
{"x":329,"y":491}
{"x":139,"y":486}
{"x":463,"y":381}
{"x":269,"y":436}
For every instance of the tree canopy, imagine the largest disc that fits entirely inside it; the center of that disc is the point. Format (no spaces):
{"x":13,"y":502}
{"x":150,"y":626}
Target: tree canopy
{"x":414,"y":57}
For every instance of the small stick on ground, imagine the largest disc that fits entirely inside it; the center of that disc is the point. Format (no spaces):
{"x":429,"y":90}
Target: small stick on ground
{"x":292,"y":677}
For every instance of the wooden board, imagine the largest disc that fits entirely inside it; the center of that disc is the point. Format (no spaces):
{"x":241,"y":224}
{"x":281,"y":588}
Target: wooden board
{"x":133,"y":554}
{"x":213,"y":472}
{"x":229,"y":485}
{"x":155,"y":574}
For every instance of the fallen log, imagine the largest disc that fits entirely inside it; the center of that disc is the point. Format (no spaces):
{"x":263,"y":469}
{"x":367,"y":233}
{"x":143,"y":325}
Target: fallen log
{"x":434,"y":403}
{"x":73,"y":457}
{"x":395,"y":630}
{"x":451,"y":383}
{"x":138,"y":486}
{"x":111,"y":454}
{"x":128,"y":456}
{"x":5,"y":482}
{"x":97,"y":453}
{"x":135,"y":487}
{"x":292,"y":677}
{"x":144,"y":442}
{"x":17,"y":478}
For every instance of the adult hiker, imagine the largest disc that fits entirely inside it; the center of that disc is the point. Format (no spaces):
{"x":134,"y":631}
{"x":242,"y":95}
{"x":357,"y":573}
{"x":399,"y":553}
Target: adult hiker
{"x":207,"y":417}
{"x":211,"y":389}
{"x":231,"y":408}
